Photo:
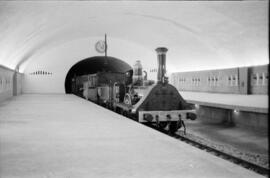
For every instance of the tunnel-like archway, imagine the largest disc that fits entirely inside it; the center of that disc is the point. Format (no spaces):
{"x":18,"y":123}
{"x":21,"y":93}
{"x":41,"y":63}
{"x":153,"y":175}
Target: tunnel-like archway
{"x":93,"y":65}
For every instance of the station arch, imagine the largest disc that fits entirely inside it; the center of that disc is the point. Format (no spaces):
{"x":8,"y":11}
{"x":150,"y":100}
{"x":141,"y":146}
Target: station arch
{"x":93,"y":65}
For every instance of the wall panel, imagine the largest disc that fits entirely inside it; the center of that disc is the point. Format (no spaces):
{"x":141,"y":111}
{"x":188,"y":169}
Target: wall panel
{"x":10,"y":83}
{"x":244,"y":80}
{"x":6,"y":83}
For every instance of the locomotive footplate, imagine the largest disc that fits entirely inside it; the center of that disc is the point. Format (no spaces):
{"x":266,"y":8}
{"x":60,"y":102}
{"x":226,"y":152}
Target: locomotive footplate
{"x":123,"y":106}
{"x":161,"y":116}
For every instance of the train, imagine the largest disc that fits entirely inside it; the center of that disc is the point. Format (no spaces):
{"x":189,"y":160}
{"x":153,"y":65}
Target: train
{"x":132,"y":95}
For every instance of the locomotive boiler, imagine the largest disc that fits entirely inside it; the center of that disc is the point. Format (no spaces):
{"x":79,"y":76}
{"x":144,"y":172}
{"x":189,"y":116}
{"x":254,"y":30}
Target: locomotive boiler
{"x":132,"y":95}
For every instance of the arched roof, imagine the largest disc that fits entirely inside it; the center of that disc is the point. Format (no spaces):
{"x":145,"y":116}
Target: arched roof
{"x":199,"y":35}
{"x":100,"y":63}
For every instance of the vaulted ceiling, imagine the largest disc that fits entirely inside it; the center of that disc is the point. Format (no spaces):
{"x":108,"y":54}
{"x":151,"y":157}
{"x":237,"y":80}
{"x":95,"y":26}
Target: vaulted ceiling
{"x":199,"y":35}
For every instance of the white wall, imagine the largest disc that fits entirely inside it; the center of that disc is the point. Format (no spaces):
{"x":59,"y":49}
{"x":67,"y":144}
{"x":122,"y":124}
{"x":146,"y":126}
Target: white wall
{"x":59,"y":59}
{"x":19,"y":77}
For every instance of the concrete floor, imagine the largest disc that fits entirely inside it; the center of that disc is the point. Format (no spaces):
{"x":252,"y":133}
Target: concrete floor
{"x":63,"y":136}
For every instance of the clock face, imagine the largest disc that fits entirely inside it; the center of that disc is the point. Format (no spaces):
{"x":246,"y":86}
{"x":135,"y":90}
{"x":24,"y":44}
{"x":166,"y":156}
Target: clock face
{"x":100,"y":46}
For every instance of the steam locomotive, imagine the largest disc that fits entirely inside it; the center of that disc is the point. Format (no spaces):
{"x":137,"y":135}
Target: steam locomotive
{"x":132,"y":95}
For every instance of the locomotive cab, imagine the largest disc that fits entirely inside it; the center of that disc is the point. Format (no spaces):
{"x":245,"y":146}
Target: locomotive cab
{"x":132,"y":96}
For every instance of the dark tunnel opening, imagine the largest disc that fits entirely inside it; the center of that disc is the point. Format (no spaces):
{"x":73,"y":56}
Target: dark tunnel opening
{"x":93,"y":65}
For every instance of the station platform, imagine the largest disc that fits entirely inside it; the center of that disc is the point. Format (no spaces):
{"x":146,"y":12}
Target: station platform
{"x":249,"y":111}
{"x":247,"y":138}
{"x":250,"y":103}
{"x":60,"y":136}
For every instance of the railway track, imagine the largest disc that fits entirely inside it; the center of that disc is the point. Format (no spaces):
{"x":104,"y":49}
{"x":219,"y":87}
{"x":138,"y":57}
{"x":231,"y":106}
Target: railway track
{"x":241,"y":162}
{"x":236,"y":160}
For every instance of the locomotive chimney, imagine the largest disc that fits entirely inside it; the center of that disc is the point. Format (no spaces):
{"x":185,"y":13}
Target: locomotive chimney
{"x":161,"y":52}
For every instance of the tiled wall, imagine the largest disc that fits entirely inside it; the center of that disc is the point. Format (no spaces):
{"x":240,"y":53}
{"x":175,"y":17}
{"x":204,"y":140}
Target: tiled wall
{"x":258,"y":77}
{"x":245,"y":80}
{"x":6,"y":83}
{"x":9,"y":84}
{"x":245,"y":119}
